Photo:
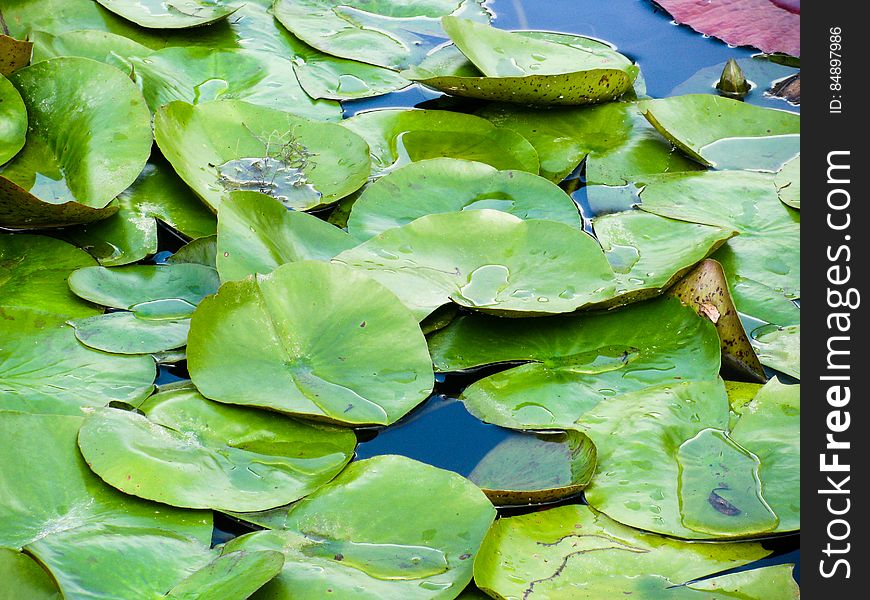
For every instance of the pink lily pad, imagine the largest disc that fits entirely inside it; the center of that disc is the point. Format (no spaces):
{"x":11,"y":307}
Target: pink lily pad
{"x":769,"y":25}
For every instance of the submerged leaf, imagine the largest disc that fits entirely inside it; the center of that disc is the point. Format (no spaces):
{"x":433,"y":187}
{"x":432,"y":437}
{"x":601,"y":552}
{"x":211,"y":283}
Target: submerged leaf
{"x":169,"y":14}
{"x":311,"y":338}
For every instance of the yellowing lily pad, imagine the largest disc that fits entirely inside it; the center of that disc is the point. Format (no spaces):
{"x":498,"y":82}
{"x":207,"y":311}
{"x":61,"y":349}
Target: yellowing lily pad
{"x":14,"y":54}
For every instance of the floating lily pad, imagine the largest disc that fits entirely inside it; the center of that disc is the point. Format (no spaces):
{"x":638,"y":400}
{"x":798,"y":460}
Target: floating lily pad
{"x":13,"y":121}
{"x":311,"y":338}
{"x":487,"y":260}
{"x":257,"y":234}
{"x":33,"y":273}
{"x":393,"y":34}
{"x":160,"y":545}
{"x":685,"y":474}
{"x":125,"y":333}
{"x":762,"y":264}
{"x":779,"y":348}
{"x":232,"y":576}
{"x":23,"y":577}
{"x":705,"y":289}
{"x":530,"y":70}
{"x":574,"y":362}
{"x":442,"y":185}
{"x":788,"y":182}
{"x":190,"y":452}
{"x":14,"y":54}
{"x":45,"y":370}
{"x":619,"y":145}
{"x":131,"y":234}
{"x":648,"y":255}
{"x":201,"y":74}
{"x":397,"y":137}
{"x":576,"y":552}
{"x":102,"y":46}
{"x":763,"y":24}
{"x":87,"y":141}
{"x":201,"y":251}
{"x":149,"y":290}
{"x":726,"y":134}
{"x":536,"y":468}
{"x":401,"y":550}
{"x":229,"y":145}
{"x":169,"y":14}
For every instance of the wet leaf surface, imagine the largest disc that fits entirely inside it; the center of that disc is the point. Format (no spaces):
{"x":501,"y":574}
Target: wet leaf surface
{"x":13,"y":120}
{"x":169,"y":14}
{"x":779,"y":348}
{"x":23,"y":577}
{"x":788,"y":182}
{"x":231,"y":576}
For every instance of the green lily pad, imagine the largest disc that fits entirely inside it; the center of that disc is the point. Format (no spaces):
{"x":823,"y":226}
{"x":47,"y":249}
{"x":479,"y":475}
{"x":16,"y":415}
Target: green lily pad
{"x":131,"y":234}
{"x":160,"y":545}
{"x":536,"y":468}
{"x":201,"y":251}
{"x":788,"y":182}
{"x":487,"y":260}
{"x":229,"y":145}
{"x":442,"y":185}
{"x":619,"y":145}
{"x":574,"y":362}
{"x":257,"y":234}
{"x":576,"y":552}
{"x":190,"y":452}
{"x":23,"y":577}
{"x":45,"y":370}
{"x":301,"y":341}
{"x":125,"y":333}
{"x":529,"y":70}
{"x":166,"y":291}
{"x":232,"y":576}
{"x":705,"y":483}
{"x":726,"y":134}
{"x":769,"y":427}
{"x":648,"y":255}
{"x":779,"y":348}
{"x":402,"y":550}
{"x":169,"y":14}
{"x":95,"y":44}
{"x":762,"y":264}
{"x":706,"y":290}
{"x":14,"y":54}
{"x":13,"y":121}
{"x":33,"y":273}
{"x":87,"y":141}
{"x":397,"y":137}
{"x":394,"y":34}
{"x":201,"y":74}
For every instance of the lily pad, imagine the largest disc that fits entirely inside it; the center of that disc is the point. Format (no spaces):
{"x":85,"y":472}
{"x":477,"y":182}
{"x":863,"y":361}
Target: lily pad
{"x":619,"y":145}
{"x":442,"y":185}
{"x":14,"y":54}
{"x":160,"y":545}
{"x":131,"y":234}
{"x":529,"y":70}
{"x":301,"y":341}
{"x":257,"y":234}
{"x":88,"y":139}
{"x":705,"y":289}
{"x":788,"y":182}
{"x":229,"y":145}
{"x":33,"y":273}
{"x":23,"y":577}
{"x":190,"y":452}
{"x":762,"y":264}
{"x":536,"y":468}
{"x":201,"y":74}
{"x":45,"y":370}
{"x":401,"y":550}
{"x":574,"y":362}
{"x":763,"y":24}
{"x":397,"y":137}
{"x":169,"y":14}
{"x":13,"y":121}
{"x":394,"y":34}
{"x":779,"y":348}
{"x":726,"y":134}
{"x":487,"y":260}
{"x":576,"y":552}
{"x":125,"y":333}
{"x":102,"y":46}
{"x":648,"y":255}
{"x":201,"y":251}
{"x":232,"y":576}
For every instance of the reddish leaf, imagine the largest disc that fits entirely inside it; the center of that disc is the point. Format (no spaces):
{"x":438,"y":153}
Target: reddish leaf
{"x":769,"y":25}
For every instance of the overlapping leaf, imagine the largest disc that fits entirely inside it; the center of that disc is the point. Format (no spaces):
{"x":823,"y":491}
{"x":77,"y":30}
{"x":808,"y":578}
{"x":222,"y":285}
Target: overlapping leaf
{"x":169,"y":14}
{"x":13,"y":120}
